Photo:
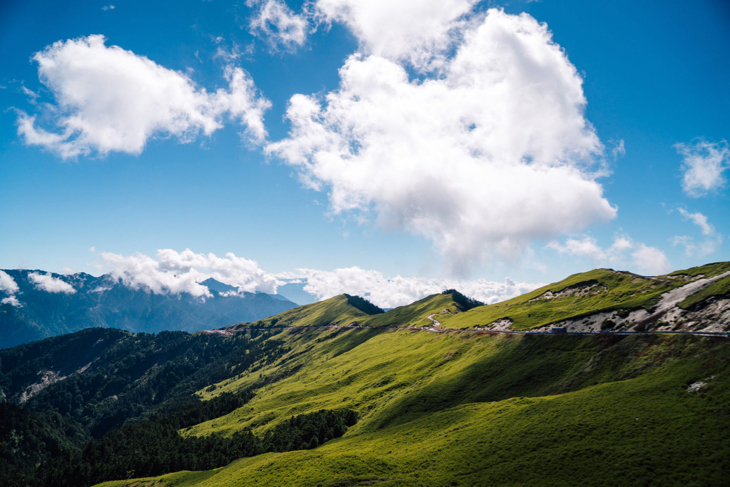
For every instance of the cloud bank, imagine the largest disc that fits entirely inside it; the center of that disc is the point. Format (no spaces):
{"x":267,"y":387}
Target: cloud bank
{"x":390,"y":292}
{"x":112,"y":100}
{"x":484,"y":155}
{"x":48,"y":283}
{"x":172,"y":272}
{"x":181,"y":272}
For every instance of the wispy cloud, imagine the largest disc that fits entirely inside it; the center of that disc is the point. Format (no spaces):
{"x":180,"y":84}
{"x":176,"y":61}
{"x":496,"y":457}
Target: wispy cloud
{"x":275,"y":23}
{"x":110,"y":99}
{"x":703,"y":164}
{"x":651,"y":260}
{"x":108,"y":7}
{"x":622,"y":252}
{"x":698,"y":219}
{"x":708,"y":245}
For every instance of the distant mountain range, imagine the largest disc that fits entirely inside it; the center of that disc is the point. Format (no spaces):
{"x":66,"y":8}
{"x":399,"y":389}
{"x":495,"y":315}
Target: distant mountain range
{"x":51,"y":308}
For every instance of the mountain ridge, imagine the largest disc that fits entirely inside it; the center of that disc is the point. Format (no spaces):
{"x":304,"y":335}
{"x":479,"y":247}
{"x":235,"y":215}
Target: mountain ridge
{"x":469,"y":406}
{"x":107,"y":302}
{"x":593,"y":301}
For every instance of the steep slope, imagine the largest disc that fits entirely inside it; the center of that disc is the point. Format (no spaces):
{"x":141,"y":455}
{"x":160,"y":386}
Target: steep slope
{"x":101,"y":378}
{"x":605,"y":299}
{"x":471,"y":409}
{"x":426,"y":312}
{"x":339,"y":310}
{"x":457,"y":407}
{"x":106,"y":302}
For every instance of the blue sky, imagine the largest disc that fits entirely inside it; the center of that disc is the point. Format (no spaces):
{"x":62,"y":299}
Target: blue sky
{"x":386,"y":148}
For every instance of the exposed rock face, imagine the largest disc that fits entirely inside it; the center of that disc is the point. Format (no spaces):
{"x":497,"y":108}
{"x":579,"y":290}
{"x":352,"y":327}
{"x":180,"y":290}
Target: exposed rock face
{"x":710,"y":316}
{"x":588,"y":288}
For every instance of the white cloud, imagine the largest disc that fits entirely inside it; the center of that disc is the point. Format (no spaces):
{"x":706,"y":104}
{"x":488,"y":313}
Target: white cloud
{"x":10,"y":287}
{"x":645,"y":258}
{"x":32,"y":95}
{"x":651,"y":260}
{"x":400,"y":30}
{"x":172,"y":272}
{"x":585,"y":246}
{"x":698,"y":219}
{"x":11,"y":300}
{"x":693,"y":248}
{"x":7,"y":283}
{"x":48,"y":283}
{"x":489,"y":155}
{"x":110,"y":99}
{"x":108,"y":7}
{"x":390,"y":292}
{"x":703,"y":165}
{"x":181,"y":272}
{"x":275,"y":22}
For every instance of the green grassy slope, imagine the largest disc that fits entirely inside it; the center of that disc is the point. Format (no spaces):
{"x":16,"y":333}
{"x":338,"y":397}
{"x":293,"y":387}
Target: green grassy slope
{"x":717,"y":288}
{"x":416,"y":314}
{"x":610,"y":290}
{"x":578,"y":295}
{"x":707,"y":270}
{"x":340,"y":310}
{"x":465,"y":408}
{"x":461,"y":409}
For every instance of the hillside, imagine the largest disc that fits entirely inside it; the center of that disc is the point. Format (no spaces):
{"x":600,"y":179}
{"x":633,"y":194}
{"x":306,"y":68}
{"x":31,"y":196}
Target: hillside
{"x":106,"y":302}
{"x":339,"y":393}
{"x":339,"y":310}
{"x":495,"y":410}
{"x":605,"y":299}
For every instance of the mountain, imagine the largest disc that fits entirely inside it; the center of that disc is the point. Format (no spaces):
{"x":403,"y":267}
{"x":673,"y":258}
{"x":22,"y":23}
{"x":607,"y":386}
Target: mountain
{"x":104,"y":301}
{"x":341,"y":393}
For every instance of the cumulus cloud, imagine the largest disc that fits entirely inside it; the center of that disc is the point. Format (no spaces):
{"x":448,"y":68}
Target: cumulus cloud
{"x":11,"y":300}
{"x":109,"y":99}
{"x":10,"y":287}
{"x":650,"y":260}
{"x":707,"y":245}
{"x":181,"y":272}
{"x":703,"y":164}
{"x":488,"y":155}
{"x":400,"y":30}
{"x":390,"y":292}
{"x":277,"y":24}
{"x":7,"y":283}
{"x":48,"y":283}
